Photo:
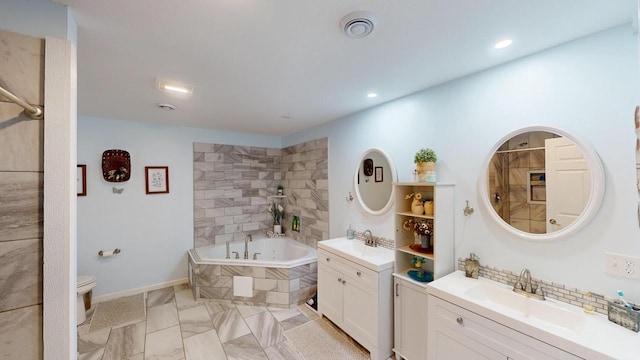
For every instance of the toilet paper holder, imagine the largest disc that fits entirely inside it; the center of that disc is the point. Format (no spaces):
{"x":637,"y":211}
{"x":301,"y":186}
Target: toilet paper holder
{"x":103,"y":253}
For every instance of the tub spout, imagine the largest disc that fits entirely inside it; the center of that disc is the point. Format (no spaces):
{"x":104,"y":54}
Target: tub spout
{"x":246,"y":246}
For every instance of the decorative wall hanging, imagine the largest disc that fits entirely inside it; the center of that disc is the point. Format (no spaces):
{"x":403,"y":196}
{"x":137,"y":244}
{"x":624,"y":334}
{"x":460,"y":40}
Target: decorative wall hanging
{"x":157,"y":179}
{"x":367,"y":167}
{"x":116,"y":165}
{"x":81,"y":180}
{"x":379,"y":177}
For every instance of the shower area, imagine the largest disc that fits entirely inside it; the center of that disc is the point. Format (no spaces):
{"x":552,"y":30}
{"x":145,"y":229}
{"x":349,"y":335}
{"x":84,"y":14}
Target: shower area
{"x":516,"y":178}
{"x":21,"y":196}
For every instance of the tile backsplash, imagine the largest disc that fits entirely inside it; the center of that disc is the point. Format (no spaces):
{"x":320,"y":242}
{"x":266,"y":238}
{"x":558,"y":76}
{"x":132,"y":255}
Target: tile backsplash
{"x":560,"y":292}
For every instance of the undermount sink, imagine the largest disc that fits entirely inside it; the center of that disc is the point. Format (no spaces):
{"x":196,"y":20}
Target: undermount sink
{"x":374,"y":258}
{"x":546,"y":311}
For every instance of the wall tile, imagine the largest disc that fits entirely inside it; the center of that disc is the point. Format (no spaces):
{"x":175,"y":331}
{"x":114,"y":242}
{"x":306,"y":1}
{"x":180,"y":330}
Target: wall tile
{"x":21,"y":334}
{"x":20,"y":274}
{"x":21,"y":139}
{"x":21,"y":197}
{"x":23,"y":55}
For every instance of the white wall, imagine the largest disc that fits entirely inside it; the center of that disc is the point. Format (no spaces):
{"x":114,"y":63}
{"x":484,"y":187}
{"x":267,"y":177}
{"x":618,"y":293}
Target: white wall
{"x":588,"y":87}
{"x":153,"y":231}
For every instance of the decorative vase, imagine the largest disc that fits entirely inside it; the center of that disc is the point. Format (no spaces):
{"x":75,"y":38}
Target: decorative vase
{"x":418,"y":264}
{"x":277,"y":229}
{"x":425,"y":241}
{"x":428,"y":208}
{"x":416,"y":207}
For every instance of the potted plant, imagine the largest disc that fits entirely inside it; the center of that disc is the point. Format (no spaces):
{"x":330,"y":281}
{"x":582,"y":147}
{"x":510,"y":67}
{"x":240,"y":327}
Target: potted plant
{"x":280,"y":190}
{"x":425,"y":160}
{"x":417,"y":261}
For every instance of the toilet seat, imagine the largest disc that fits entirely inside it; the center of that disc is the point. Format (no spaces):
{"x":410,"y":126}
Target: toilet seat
{"x":86,"y":283}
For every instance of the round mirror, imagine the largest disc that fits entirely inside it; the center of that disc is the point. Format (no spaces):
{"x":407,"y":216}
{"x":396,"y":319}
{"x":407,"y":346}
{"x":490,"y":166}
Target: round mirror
{"x":541,"y":183}
{"x":373,"y":181}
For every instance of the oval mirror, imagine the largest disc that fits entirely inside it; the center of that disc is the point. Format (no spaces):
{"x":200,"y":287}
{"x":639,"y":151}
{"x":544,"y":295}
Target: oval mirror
{"x":373,"y":181}
{"x":542,"y":183}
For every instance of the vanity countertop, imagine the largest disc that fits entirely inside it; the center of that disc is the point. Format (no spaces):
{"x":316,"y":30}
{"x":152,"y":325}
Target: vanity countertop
{"x":374,"y":258}
{"x":584,"y":335}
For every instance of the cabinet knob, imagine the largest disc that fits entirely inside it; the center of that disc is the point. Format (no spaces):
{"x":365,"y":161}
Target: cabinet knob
{"x":358,"y":273}
{"x":328,"y":259}
{"x":459,"y":320}
{"x":344,"y":281}
{"x":339,"y":279}
{"x":552,"y":221}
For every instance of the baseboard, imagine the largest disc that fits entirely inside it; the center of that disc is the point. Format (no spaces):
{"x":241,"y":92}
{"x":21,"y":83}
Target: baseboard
{"x":144,"y":289}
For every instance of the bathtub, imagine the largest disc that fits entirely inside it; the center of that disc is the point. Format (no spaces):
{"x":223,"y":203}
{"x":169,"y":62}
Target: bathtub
{"x":284,"y":273}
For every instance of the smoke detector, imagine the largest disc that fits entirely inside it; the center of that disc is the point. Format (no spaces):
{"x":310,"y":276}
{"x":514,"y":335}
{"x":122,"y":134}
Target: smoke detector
{"x":358,"y":24}
{"x":166,"y":107}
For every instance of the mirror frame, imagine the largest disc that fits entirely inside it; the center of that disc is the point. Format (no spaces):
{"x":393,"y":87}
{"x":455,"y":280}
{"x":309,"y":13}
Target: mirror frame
{"x":394,"y":179}
{"x":591,"y":208}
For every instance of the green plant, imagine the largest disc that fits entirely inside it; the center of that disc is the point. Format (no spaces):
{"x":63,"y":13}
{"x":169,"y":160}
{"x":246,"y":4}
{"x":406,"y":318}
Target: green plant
{"x":280,"y":187}
{"x":417,"y":259}
{"x":425,"y":155}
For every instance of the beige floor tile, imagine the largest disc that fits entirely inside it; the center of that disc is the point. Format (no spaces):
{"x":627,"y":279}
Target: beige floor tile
{"x":162,"y":317}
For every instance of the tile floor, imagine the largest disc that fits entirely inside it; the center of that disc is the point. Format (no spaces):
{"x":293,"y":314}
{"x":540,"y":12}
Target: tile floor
{"x":178,"y":327}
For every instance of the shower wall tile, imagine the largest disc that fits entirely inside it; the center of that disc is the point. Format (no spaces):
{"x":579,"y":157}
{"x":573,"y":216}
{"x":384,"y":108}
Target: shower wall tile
{"x":21,"y":334}
{"x":22,"y":66}
{"x":21,"y":139}
{"x":21,"y":195}
{"x":20,"y":274}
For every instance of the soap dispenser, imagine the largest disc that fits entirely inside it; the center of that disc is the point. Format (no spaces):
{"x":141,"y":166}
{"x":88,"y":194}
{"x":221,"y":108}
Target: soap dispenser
{"x":471,"y":266}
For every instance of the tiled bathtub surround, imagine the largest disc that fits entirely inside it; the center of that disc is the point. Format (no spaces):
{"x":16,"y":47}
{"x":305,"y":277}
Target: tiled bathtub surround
{"x":274,"y":287}
{"x":21,"y":196}
{"x":231,"y":185}
{"x":555,"y":291}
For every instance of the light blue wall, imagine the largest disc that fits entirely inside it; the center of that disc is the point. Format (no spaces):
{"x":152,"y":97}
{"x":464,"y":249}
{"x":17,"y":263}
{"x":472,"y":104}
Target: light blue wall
{"x":37,"y":18}
{"x":153,"y":231}
{"x":588,"y":87}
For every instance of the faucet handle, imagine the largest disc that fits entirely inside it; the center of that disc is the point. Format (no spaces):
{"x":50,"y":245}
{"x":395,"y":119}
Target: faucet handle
{"x":255,"y":255}
{"x":237,"y":254}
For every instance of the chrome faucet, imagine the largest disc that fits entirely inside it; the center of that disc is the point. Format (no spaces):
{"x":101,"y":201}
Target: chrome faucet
{"x":369,"y":240}
{"x":228,"y":257}
{"x":526,"y":287}
{"x":246,"y":246}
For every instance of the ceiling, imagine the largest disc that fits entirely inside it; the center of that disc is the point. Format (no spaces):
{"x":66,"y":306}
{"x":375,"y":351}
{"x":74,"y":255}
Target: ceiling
{"x":275,"y":67}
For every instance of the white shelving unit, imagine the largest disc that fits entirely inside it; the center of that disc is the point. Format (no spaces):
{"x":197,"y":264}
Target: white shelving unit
{"x":410,"y":296}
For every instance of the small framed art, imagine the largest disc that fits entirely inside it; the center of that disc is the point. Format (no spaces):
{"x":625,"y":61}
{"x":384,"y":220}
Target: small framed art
{"x":81,"y":180}
{"x":378,"y":174}
{"x":157,"y":179}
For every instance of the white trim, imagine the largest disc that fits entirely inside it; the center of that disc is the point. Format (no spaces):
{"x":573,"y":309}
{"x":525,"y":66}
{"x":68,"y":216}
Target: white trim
{"x":591,"y":208}
{"x":144,"y":289}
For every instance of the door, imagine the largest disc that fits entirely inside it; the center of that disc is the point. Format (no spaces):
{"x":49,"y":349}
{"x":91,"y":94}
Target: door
{"x":330,"y":293}
{"x":360,"y":314}
{"x":568,"y":182}
{"x":410,"y":310}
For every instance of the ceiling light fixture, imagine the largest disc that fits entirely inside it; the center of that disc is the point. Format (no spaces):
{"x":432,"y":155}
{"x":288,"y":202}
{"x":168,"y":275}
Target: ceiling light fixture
{"x":358,"y":24}
{"x":174,"y":87}
{"x":166,"y":107}
{"x":503,"y":44}
{"x":372,"y":95}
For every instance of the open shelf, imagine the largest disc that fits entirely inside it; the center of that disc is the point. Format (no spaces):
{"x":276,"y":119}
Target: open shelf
{"x":408,"y":250}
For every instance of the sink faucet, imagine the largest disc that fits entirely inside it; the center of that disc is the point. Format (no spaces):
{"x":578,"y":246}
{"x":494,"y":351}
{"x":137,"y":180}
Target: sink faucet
{"x":369,"y":240}
{"x":525,"y":287}
{"x":246,"y":246}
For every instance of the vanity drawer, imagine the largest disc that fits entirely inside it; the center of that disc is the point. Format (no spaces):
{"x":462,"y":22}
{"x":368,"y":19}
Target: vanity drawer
{"x":364,"y":276}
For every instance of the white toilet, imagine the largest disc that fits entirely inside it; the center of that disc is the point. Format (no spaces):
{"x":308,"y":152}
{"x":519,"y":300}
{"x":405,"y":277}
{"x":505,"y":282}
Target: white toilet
{"x":85,"y":284}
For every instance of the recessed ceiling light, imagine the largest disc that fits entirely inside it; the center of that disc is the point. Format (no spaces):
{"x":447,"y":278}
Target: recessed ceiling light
{"x":502,"y":44}
{"x":372,"y":95}
{"x":174,"y":87}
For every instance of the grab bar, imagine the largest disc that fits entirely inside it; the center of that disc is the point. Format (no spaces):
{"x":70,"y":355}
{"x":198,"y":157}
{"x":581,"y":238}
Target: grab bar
{"x":32,"y":111}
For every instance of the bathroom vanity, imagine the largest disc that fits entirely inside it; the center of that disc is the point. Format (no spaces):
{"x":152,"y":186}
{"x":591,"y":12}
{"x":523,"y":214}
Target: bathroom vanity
{"x":354,"y":292}
{"x":484,"y":319}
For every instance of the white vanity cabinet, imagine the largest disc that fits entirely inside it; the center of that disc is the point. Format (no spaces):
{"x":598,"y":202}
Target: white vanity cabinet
{"x":410,"y":317}
{"x":358,"y":300}
{"x":456,"y":333}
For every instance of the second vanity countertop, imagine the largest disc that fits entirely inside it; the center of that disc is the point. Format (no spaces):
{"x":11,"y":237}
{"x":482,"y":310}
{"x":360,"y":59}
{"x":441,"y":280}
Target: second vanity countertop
{"x":374,"y":258}
{"x":584,"y":335}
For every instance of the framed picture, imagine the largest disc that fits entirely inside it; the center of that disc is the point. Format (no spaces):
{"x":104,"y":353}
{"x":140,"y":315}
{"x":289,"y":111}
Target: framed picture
{"x":81,"y":180}
{"x":378,"y":173}
{"x":157,"y":179}
{"x":367,"y":167}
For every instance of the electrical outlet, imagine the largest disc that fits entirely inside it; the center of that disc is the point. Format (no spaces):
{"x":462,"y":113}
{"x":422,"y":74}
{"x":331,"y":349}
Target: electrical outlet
{"x":622,"y":265}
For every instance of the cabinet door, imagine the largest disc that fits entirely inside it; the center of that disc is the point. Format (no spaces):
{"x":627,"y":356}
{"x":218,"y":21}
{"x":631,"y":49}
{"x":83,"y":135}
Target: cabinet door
{"x":410,"y":308}
{"x":330,"y":293}
{"x":360,"y":314}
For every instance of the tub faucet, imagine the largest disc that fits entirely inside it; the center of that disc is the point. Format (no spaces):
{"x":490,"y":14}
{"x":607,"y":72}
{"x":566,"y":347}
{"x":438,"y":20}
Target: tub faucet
{"x":246,"y":246}
{"x":525,"y":287}
{"x":369,"y":240}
